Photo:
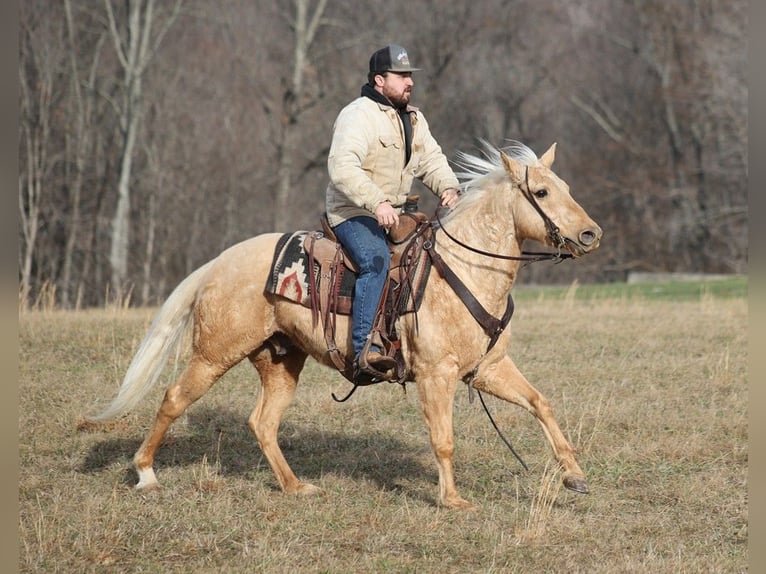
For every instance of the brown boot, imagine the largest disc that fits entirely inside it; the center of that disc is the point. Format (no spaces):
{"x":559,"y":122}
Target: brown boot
{"x":380,"y":362}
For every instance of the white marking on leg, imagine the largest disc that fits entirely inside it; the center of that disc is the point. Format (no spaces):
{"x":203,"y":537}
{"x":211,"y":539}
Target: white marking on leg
{"x":146,"y":478}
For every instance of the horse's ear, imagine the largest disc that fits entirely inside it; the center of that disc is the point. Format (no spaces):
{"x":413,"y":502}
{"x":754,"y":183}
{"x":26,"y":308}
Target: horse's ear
{"x":514,"y":168}
{"x":547,"y":158}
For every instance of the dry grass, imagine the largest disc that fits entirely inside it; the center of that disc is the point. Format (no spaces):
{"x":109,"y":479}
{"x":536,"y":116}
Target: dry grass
{"x":653,"y":395}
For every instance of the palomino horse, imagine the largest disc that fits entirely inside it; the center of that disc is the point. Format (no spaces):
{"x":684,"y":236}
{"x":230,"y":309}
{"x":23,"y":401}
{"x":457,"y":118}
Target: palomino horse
{"x":507,"y":196}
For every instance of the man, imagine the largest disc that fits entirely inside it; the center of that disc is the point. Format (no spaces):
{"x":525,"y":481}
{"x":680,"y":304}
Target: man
{"x":380,"y":144}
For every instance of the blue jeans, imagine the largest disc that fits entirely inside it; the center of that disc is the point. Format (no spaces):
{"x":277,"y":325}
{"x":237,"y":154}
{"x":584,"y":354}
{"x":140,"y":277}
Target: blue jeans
{"x":366,"y":243}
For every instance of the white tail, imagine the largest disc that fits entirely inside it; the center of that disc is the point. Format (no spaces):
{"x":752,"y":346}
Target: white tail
{"x":163,"y":337}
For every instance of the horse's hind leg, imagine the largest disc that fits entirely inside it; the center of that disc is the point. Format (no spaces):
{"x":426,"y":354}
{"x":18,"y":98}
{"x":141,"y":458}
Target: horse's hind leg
{"x":196,"y":379}
{"x":279,"y":378}
{"x":504,"y":380}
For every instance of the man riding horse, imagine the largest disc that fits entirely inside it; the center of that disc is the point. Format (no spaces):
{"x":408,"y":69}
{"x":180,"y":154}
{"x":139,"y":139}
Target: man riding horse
{"x":380,"y":144}
{"x":508,"y":196}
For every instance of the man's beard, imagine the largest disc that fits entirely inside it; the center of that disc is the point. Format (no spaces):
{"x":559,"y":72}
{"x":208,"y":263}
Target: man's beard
{"x":400,"y":101}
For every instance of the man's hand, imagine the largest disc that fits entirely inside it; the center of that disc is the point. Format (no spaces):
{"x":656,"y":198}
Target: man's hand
{"x":386,"y":215}
{"x":449,"y":197}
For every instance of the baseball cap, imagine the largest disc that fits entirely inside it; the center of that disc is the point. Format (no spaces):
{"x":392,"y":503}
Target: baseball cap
{"x":392,"y":58}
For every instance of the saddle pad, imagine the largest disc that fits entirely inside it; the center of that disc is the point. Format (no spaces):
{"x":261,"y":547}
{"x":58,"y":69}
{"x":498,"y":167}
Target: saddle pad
{"x":289,"y":277}
{"x":289,"y":271}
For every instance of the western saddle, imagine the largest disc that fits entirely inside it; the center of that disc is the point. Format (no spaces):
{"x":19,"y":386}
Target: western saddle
{"x":407,"y":275}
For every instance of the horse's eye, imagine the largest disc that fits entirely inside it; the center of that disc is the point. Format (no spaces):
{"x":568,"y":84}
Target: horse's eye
{"x":541,"y":193}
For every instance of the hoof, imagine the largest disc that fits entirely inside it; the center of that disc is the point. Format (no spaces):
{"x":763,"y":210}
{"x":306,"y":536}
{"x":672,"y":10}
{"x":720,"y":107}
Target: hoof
{"x":576,"y":484}
{"x":458,"y":504}
{"x":147,"y":481}
{"x":305,"y":489}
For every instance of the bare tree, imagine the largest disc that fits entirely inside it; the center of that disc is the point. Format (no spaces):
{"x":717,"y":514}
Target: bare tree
{"x":305,"y":26}
{"x":40,"y":64}
{"x":81,"y":136}
{"x":135,"y":45}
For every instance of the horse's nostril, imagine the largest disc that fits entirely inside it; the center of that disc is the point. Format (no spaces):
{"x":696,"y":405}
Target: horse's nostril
{"x":587,"y":237}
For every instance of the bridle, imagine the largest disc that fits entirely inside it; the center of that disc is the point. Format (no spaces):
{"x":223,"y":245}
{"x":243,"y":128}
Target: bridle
{"x":553,"y":230}
{"x":554,"y":234}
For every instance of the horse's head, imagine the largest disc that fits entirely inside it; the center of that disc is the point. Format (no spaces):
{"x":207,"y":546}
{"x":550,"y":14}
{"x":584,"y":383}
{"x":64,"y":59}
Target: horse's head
{"x":546,"y":211}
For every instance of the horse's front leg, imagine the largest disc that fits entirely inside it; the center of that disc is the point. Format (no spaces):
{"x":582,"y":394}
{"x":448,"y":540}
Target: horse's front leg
{"x":437,"y":396}
{"x":504,"y":380}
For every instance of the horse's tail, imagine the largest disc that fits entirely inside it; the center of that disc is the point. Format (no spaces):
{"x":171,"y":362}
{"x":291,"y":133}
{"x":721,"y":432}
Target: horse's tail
{"x":164,"y":336}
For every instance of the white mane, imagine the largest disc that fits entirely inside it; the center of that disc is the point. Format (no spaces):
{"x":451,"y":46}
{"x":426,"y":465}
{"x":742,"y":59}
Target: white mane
{"x":475,"y":172}
{"x":473,"y":168}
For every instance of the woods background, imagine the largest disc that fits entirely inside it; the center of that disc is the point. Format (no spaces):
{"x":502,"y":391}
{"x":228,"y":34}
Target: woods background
{"x":154,"y":134}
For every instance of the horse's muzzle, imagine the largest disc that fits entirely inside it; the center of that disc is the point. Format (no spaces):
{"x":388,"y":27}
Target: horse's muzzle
{"x":587,"y":240}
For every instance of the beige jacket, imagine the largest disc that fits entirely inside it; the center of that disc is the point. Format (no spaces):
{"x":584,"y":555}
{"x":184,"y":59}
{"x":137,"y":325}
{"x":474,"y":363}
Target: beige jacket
{"x":366,"y":160}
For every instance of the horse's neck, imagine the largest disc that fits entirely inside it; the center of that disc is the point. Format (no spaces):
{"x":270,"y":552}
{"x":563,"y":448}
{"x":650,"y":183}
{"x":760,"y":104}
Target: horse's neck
{"x":481,"y":229}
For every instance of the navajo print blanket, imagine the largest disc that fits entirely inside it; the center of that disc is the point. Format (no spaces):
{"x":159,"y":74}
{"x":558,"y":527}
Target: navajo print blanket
{"x":289,"y":278}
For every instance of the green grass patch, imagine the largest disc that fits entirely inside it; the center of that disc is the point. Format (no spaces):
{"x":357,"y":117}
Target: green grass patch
{"x":725,"y":288}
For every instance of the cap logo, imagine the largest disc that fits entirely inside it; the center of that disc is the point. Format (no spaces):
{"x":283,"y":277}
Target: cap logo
{"x":403,"y":59}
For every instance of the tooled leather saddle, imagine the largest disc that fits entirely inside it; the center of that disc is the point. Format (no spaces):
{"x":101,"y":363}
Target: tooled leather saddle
{"x":407,"y":276}
{"x":320,"y":275}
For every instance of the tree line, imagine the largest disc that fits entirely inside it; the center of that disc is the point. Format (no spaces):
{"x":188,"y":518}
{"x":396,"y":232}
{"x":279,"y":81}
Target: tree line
{"x":154,"y":134}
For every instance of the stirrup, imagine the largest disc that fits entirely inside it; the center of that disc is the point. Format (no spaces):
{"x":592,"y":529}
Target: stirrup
{"x":362,"y":377}
{"x":371,"y":372}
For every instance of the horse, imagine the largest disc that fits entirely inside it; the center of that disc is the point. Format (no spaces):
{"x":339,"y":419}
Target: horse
{"x":507,"y":195}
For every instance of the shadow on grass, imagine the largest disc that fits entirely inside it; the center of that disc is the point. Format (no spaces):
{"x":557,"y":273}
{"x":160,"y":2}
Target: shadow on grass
{"x":224,"y":438}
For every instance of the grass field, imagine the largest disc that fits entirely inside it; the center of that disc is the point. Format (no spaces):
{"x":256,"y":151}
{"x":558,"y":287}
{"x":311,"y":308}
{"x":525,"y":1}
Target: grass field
{"x":651,"y":390}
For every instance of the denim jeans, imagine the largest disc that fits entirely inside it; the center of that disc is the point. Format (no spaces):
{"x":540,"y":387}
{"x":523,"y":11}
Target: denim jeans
{"x":366,"y":243}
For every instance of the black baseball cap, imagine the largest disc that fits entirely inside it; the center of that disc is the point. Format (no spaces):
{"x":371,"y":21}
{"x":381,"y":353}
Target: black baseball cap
{"x":392,"y":58}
